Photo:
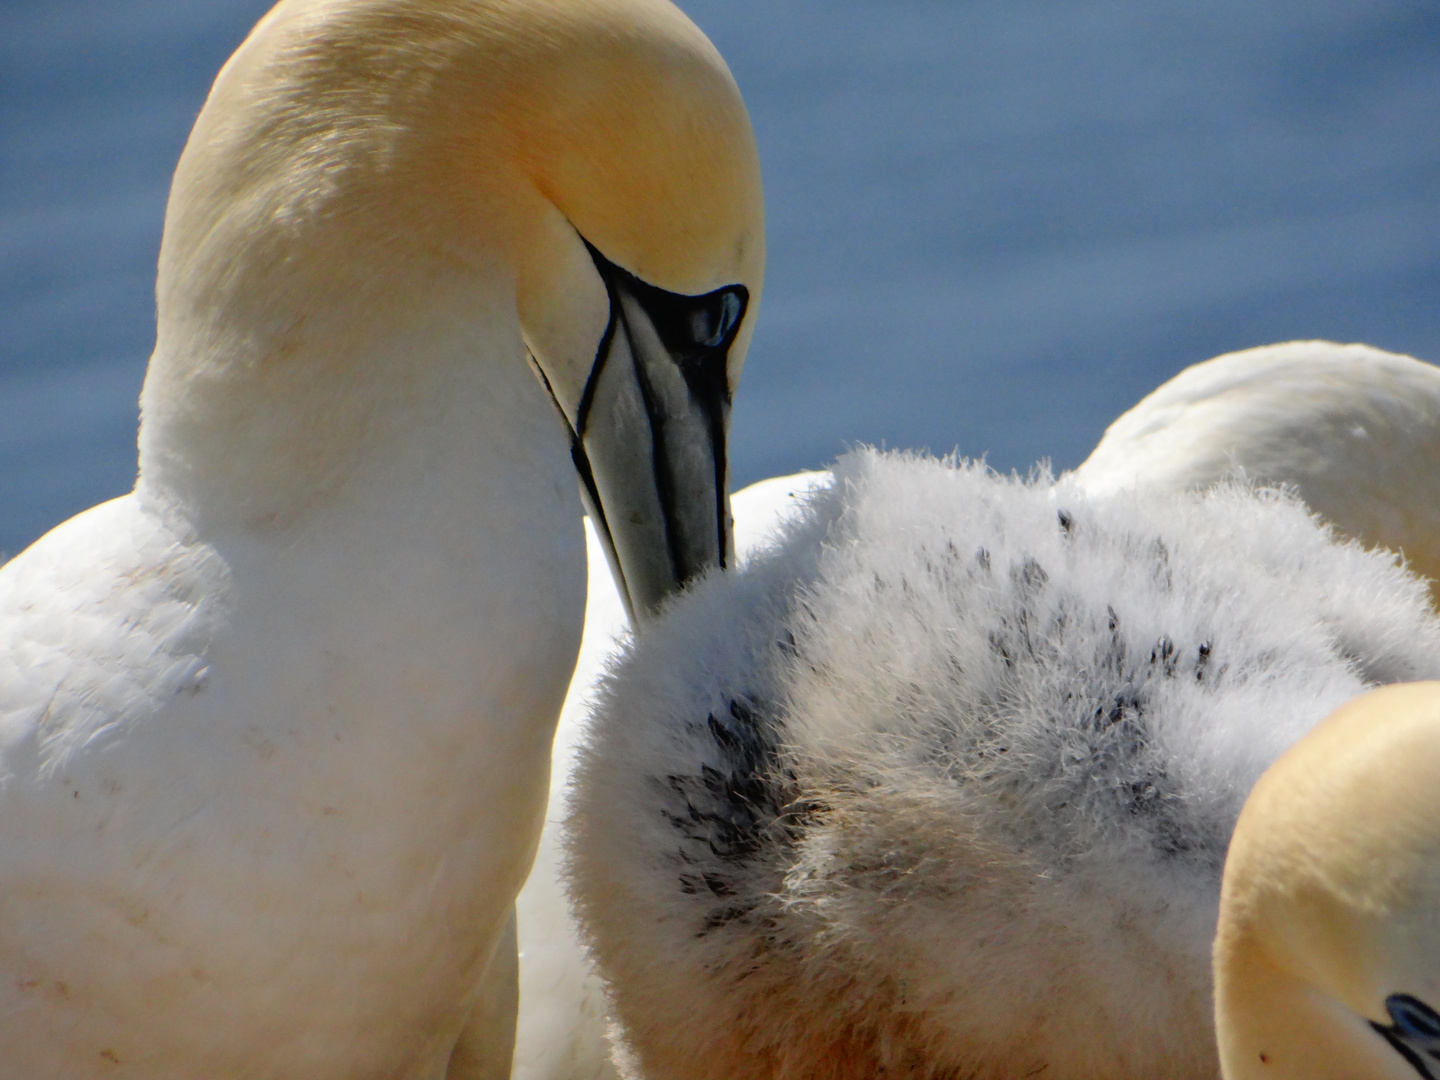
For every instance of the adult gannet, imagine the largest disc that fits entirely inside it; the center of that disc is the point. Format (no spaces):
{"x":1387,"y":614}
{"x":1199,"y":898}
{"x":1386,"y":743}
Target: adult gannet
{"x":1353,"y":429}
{"x":1327,"y":958}
{"x":275,"y":728}
{"x":941,"y":785}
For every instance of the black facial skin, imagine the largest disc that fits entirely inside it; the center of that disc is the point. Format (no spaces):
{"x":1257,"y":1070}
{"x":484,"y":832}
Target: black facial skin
{"x":656,"y":410}
{"x":697,"y":332}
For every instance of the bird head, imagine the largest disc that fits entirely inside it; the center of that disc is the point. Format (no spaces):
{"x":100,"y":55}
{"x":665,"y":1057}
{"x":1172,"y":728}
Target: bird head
{"x":579,"y":175}
{"x":1327,"y":957}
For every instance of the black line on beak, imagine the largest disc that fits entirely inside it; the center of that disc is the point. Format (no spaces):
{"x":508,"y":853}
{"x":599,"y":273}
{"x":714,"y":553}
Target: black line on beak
{"x":676,"y":386}
{"x":590,"y":494}
{"x":697,"y":332}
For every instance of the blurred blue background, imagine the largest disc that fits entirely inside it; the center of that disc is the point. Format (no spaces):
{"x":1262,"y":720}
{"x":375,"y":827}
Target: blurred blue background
{"x":992,"y":225}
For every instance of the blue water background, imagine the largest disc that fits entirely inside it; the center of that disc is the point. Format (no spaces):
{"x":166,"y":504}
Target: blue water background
{"x":992,"y":226}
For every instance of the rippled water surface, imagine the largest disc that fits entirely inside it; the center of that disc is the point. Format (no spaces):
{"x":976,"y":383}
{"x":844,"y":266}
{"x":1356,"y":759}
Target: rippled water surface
{"x":991,"y":226}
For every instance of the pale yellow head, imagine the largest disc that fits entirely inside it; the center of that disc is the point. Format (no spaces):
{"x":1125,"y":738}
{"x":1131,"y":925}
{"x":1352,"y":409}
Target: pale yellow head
{"x":371,"y":177}
{"x":1327,"y":957}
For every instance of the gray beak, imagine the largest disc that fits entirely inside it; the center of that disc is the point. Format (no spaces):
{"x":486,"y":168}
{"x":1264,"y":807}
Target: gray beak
{"x":649,"y":437}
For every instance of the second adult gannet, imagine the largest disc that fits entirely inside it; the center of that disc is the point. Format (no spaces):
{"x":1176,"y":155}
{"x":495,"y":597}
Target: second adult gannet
{"x":275,"y":728}
{"x":1327,"y":958}
{"x":1354,"y":430}
{"x":942,"y":784}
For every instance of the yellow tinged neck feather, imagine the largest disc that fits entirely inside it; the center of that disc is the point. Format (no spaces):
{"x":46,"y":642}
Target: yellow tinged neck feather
{"x":1331,"y":899}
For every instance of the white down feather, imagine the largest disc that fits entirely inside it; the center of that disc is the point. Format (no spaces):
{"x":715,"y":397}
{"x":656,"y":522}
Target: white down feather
{"x":942,"y":783}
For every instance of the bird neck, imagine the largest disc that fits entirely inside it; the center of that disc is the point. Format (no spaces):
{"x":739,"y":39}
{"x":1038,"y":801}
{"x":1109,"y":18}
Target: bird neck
{"x":415,"y":510}
{"x":258,"y":421}
{"x":331,"y":297}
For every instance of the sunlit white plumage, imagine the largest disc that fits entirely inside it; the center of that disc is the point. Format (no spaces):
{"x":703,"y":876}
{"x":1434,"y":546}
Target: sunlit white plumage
{"x":1327,"y":958}
{"x":1354,"y":430}
{"x":942,"y":785}
{"x":275,"y":728}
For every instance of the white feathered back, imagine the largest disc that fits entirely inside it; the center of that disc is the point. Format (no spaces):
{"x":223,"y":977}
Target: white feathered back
{"x":1353,"y":429}
{"x":941,"y":784}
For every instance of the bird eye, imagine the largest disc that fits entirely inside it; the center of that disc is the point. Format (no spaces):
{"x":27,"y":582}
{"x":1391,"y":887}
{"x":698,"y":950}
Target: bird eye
{"x":1414,"y":1034}
{"x":1414,"y":1018}
{"x":684,"y":322}
{"x":712,"y":322}
{"x":691,"y":324}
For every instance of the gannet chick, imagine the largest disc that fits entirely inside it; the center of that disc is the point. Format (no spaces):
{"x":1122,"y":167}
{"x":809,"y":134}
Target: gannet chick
{"x":1327,"y":958}
{"x":942,"y":784}
{"x":1348,"y":427}
{"x":275,"y":728}
{"x":1353,"y":429}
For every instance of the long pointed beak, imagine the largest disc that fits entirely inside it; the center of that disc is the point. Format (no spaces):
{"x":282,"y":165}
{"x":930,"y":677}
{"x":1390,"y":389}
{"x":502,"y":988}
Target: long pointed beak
{"x":649,"y":437}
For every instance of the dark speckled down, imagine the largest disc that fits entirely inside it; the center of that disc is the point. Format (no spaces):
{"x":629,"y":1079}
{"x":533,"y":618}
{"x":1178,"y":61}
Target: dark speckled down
{"x":941,"y":784}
